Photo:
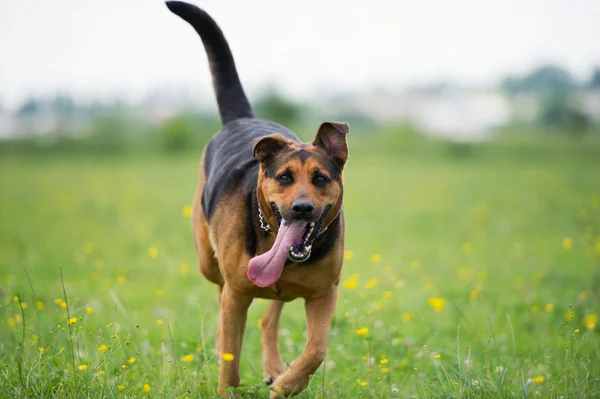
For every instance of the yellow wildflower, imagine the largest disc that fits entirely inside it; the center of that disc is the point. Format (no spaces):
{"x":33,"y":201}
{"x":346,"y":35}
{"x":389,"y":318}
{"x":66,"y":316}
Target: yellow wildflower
{"x":119,"y":387}
{"x":590,"y":321}
{"x":473,"y":295}
{"x":159,"y":293}
{"x":371,"y":283}
{"x":63,"y":305}
{"x":415,"y":264}
{"x":121,"y":280}
{"x":58,"y":301}
{"x":406,"y":317}
{"x":539,"y":379}
{"x":100,"y":372}
{"x":187,"y":211}
{"x":534,"y":308}
{"x":184,"y":269}
{"x":569,"y":315}
{"x":362,"y":331}
{"x":111,"y":324}
{"x":437,"y":356}
{"x":89,"y":310}
{"x":577,"y":331}
{"x":98,"y":264}
{"x":42,"y":350}
{"x":348,"y":254}
{"x":72,"y":320}
{"x":352,"y":282}
{"x":16,"y":298}
{"x":388,"y":294}
{"x":437,"y":303}
{"x":376,"y":258}
{"x":131,"y":360}
{"x":23,"y":305}
{"x":363,"y":383}
{"x":146,"y":388}
{"x":228,"y":357}
{"x":103,"y":348}
{"x":187,"y":358}
{"x":153,"y":252}
{"x":82,"y":367}
{"x":159,"y":322}
{"x":40,"y":305}
{"x":384,"y":361}
{"x":384,"y":369}
{"x":549,"y":307}
{"x":124,"y":367}
{"x":567,"y":243}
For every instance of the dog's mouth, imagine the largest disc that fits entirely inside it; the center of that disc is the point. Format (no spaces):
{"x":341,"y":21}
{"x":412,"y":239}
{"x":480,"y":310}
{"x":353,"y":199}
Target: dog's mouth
{"x":300,"y":251}
{"x":294,"y":242}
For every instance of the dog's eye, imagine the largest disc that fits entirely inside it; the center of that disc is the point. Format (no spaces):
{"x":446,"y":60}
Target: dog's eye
{"x":285,"y":179}
{"x":320,"y":180}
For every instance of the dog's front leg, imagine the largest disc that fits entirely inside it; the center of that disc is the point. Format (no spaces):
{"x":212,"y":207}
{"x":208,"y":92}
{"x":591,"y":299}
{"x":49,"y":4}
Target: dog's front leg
{"x":232,"y":323}
{"x":319,"y":312}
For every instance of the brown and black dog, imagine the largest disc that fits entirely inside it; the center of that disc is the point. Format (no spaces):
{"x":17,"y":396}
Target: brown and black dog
{"x":268,"y":221}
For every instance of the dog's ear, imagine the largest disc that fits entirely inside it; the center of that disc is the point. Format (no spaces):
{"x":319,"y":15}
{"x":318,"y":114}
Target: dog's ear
{"x":265,"y":148}
{"x":332,"y":137}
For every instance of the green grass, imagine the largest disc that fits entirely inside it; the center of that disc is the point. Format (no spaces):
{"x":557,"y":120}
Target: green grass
{"x":509,"y":244}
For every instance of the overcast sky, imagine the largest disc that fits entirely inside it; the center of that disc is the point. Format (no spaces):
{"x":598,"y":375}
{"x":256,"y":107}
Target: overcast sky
{"x":127,"y":47}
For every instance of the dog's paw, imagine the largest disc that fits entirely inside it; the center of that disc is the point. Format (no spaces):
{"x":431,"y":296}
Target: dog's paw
{"x":288,"y":384}
{"x":272,"y":370}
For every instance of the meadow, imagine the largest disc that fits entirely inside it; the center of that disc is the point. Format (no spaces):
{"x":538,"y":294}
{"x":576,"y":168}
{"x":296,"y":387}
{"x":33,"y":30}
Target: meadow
{"x":471,"y":271}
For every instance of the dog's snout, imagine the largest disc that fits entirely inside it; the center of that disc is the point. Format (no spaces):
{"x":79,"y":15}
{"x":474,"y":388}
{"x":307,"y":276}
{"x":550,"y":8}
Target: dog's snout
{"x":303,"y":209}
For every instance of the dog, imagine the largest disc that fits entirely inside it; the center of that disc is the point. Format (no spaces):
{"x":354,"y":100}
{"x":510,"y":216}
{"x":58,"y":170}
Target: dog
{"x":268,"y":221}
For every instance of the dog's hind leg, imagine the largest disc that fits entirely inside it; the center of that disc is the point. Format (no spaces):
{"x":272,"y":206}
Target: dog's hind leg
{"x":269,"y":326}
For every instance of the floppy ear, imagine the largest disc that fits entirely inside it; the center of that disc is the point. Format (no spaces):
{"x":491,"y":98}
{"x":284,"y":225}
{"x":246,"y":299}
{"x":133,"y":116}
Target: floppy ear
{"x":332,"y":137}
{"x":265,"y":148}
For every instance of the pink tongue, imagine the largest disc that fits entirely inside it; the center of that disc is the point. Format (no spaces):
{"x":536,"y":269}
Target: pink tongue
{"x":265,"y":269}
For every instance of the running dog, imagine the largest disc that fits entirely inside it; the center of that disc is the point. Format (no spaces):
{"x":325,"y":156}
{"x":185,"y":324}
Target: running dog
{"x":268,"y":221}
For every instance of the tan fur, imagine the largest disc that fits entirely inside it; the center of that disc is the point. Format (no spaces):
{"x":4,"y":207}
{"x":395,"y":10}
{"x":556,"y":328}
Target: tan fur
{"x":223,"y":260}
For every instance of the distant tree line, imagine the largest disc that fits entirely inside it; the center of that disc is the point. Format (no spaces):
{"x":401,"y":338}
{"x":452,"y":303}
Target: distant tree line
{"x":553,"y":87}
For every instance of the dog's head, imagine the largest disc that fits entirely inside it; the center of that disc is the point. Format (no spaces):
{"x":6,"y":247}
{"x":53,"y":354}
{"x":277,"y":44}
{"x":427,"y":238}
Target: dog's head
{"x":300,"y":187}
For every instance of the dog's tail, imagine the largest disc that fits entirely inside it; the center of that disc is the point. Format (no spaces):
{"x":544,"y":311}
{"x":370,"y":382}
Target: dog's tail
{"x":231,"y":98}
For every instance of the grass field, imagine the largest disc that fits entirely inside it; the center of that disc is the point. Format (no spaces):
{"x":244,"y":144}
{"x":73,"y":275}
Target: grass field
{"x":468,"y":274}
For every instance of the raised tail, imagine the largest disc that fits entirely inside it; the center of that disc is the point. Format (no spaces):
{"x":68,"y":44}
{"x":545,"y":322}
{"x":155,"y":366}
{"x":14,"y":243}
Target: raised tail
{"x":231,"y":98}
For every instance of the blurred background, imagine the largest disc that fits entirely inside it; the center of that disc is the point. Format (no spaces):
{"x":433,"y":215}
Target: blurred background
{"x":472,"y":192}
{"x":118,"y":76}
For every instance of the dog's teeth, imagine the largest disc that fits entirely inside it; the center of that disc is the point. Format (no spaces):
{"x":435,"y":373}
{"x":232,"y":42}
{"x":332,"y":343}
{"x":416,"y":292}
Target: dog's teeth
{"x":308,"y":248}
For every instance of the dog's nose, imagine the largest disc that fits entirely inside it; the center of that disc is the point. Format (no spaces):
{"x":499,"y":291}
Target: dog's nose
{"x":303,"y":209}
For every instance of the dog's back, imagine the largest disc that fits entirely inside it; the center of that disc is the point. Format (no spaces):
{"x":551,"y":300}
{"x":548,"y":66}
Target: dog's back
{"x":228,"y":160}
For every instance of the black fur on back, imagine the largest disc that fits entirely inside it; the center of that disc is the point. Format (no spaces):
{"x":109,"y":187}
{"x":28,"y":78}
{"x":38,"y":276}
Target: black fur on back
{"x":231,"y":98}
